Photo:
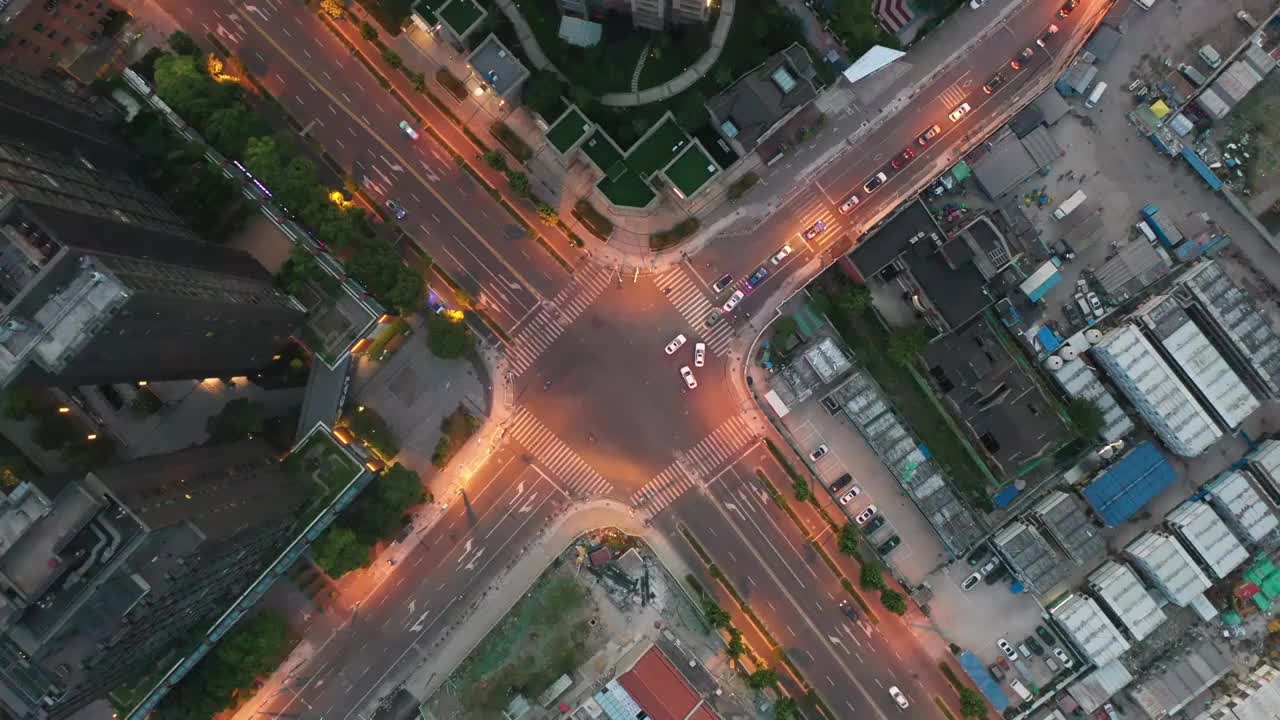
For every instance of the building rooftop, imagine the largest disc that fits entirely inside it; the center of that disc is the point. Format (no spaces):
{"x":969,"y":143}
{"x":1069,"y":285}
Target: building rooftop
{"x":1097,"y":686}
{"x":1103,"y":43}
{"x":1208,"y":537}
{"x":827,"y":359}
{"x":1134,"y":267}
{"x":1119,"y":588}
{"x":1089,"y":628}
{"x":1249,"y":337}
{"x":658,"y":687}
{"x":1031,"y":556}
{"x":1199,"y":361}
{"x":1235,"y":499}
{"x":1004,"y":165}
{"x":1130,"y":483}
{"x":1079,"y":380}
{"x":579,"y":32}
{"x":1255,"y":697}
{"x":1066,"y":520}
{"x":1166,"y":563}
{"x":1052,"y":106}
{"x":497,"y":66}
{"x":1167,"y":691}
{"x":1040,"y":144}
{"x":910,"y":225}
{"x":1151,"y":385}
{"x":951,"y":279}
{"x":757,"y":102}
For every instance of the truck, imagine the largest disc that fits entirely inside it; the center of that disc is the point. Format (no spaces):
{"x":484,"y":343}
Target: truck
{"x":1070,"y":204}
{"x":1167,"y":232}
{"x":1095,"y":95}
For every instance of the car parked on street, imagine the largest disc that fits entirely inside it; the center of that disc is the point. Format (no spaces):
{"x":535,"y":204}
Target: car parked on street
{"x":841,"y":483}
{"x":1047,"y":35}
{"x":898,"y":697}
{"x":722,"y":283}
{"x":970,"y":581}
{"x":866,"y":514}
{"x":756,"y":278}
{"x":819,"y":452}
{"x":852,"y":493}
{"x":992,"y":564}
{"x":814,"y":230}
{"x":1063,"y":657}
{"x":781,"y":255}
{"x":689,"y":379}
{"x":1046,"y":636}
{"x":1095,"y":304}
{"x":1022,"y":57}
{"x":1036,"y":648}
{"x":903,"y":158}
{"x":979,"y":554}
{"x":848,"y":204}
{"x":959,"y":112}
{"x":733,"y":301}
{"x":876,"y":181}
{"x":1066,"y":8}
{"x":875,"y":524}
{"x":996,"y":81}
{"x":699,"y":354}
{"x":929,"y":135}
{"x":676,"y":343}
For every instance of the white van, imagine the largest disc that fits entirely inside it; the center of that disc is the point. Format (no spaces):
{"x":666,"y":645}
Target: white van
{"x":1144,"y":4}
{"x":1210,"y":56}
{"x":1020,"y":689}
{"x":1096,"y":95}
{"x":1146,"y":231}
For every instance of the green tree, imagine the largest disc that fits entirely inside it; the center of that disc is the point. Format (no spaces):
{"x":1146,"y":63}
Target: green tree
{"x":238,"y":419}
{"x":369,"y":426}
{"x":717,"y":616}
{"x":448,"y":338}
{"x":496,"y":160}
{"x":519,"y":182}
{"x":722,"y":74}
{"x":871,"y":576}
{"x":906,"y":344}
{"x":691,"y":110}
{"x":762,"y":678}
{"x":230,"y":129}
{"x":543,"y":92}
{"x":849,"y":537}
{"x":854,"y":301}
{"x":784,"y":330}
{"x":736,"y":647}
{"x":54,"y":431}
{"x":548,"y":214}
{"x":185,"y":88}
{"x":893,"y":601}
{"x":971,"y":703}
{"x":332,"y":8}
{"x":801,"y":490}
{"x":786,"y":709}
{"x":369,"y":32}
{"x":379,"y":512}
{"x":22,"y":401}
{"x":381,"y":270}
{"x":338,"y":552}
{"x":182,"y":43}
{"x":1086,"y":417}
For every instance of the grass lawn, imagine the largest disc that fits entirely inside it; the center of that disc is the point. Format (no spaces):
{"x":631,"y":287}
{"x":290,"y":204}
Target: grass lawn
{"x":601,"y":151}
{"x":461,"y":14}
{"x":692,"y":170}
{"x":673,"y":51}
{"x":567,"y":130}
{"x":653,"y":153}
{"x":627,"y":190}
{"x":322,"y":458}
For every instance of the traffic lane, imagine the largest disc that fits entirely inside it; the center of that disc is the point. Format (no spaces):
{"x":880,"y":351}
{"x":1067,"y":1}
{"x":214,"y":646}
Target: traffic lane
{"x":811,"y":646}
{"x":783,"y":546}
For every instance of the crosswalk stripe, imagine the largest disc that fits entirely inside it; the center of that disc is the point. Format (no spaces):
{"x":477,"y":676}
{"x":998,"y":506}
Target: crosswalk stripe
{"x":694,"y":463}
{"x":567,"y":468}
{"x":550,"y":322}
{"x":689,"y":297}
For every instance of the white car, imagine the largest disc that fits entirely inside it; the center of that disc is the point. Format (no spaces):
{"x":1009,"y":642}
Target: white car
{"x":781,"y":254}
{"x":1095,"y":304}
{"x":976,"y":4}
{"x":865,"y":515}
{"x":1007,"y":649}
{"x":689,"y":379}
{"x":849,"y":204}
{"x":819,"y":452}
{"x":676,"y":343}
{"x":959,"y":112}
{"x":408,"y":129}
{"x":899,"y":698}
{"x":699,"y":354}
{"x":848,"y":497}
{"x":970,"y":581}
{"x":1063,"y":657}
{"x":733,"y":301}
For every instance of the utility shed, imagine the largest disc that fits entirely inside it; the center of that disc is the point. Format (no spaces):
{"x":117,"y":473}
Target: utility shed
{"x":1130,"y":483}
{"x":1154,"y":389}
{"x":1031,"y":556}
{"x":1089,"y":628}
{"x":1065,"y":518}
{"x":1178,"y":682}
{"x":1096,"y":687}
{"x":1119,"y":589}
{"x":1233,"y":496}
{"x":1207,"y":537}
{"x":1246,"y":336}
{"x":1200,"y":363}
{"x":1079,"y":380}
{"x":827,"y":359}
{"x":1166,"y":564}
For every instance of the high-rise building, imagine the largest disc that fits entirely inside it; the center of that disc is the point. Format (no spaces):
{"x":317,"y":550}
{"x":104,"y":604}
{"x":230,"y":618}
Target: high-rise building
{"x":102,"y":576}
{"x":101,"y":282}
{"x":50,"y":117}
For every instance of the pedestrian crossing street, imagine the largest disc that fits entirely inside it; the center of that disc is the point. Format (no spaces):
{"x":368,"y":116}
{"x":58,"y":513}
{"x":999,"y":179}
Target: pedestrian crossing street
{"x":565,"y":467}
{"x":551,"y":318}
{"x":691,"y":300}
{"x":694,"y":464}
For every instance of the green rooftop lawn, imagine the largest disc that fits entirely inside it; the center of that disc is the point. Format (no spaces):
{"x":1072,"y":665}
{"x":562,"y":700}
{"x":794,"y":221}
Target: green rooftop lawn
{"x":692,"y":170}
{"x":627,"y":190}
{"x":567,"y":130}
{"x":461,"y":14}
{"x":601,"y":151}
{"x":653,"y":152}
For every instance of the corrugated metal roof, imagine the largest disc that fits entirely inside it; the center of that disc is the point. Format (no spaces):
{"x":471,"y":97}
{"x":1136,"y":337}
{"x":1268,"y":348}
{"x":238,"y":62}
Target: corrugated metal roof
{"x":1080,"y":381}
{"x":1164,"y":561}
{"x":1128,"y":485}
{"x":1089,"y":628}
{"x":1236,"y":315}
{"x":1170,"y":689}
{"x":1265,"y":461}
{"x":1117,"y":586}
{"x":1208,"y":536}
{"x":1237,"y":80}
{"x":1064,"y":516}
{"x":1167,"y":405}
{"x":1095,"y":688}
{"x":1241,"y":506}
{"x":1031,"y":556}
{"x":1136,"y":266}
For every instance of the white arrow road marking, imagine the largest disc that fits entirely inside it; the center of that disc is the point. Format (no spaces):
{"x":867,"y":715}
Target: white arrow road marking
{"x":417,"y":627}
{"x":253,"y":9}
{"x":472,"y":565}
{"x":431,"y":175}
{"x":390,"y":164}
{"x":733,"y":507}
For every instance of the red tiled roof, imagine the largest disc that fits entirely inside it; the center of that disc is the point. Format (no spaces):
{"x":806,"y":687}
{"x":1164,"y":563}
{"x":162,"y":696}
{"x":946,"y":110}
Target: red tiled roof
{"x":657,"y":685}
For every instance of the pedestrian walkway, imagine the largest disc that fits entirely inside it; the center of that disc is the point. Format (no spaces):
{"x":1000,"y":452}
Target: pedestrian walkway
{"x":549,"y":320}
{"x":692,"y":465}
{"x":692,"y":301}
{"x":564,"y":466}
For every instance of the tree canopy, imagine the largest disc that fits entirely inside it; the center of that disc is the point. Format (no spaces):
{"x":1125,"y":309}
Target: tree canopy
{"x":238,"y":419}
{"x":447,"y":337}
{"x":1086,"y":417}
{"x":339,"y":551}
{"x":849,"y":537}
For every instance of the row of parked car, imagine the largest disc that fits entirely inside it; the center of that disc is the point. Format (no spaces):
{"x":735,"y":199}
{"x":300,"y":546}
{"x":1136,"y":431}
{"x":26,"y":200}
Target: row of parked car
{"x":868,"y":518}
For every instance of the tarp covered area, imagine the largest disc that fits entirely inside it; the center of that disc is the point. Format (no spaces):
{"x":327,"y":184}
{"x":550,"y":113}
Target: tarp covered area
{"x":983,"y":679}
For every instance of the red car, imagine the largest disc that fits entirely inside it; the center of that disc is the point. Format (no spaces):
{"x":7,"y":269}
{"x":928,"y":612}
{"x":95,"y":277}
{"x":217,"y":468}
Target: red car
{"x":903,"y":158}
{"x":1016,"y":63}
{"x":1066,"y":9}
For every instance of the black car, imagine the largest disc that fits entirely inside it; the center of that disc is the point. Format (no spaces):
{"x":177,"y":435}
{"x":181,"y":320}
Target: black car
{"x":841,"y":483}
{"x":978,"y":555}
{"x":873,"y":525}
{"x":996,"y":81}
{"x":722,"y":283}
{"x":887,"y":546}
{"x":1046,"y":636}
{"x":1036,"y":647}
{"x":1066,"y":8}
{"x":997,"y":574}
{"x":846,"y":607}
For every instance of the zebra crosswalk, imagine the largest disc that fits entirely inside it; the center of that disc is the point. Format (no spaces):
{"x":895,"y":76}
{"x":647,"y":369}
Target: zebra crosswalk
{"x":550,"y":319}
{"x":694,"y":464}
{"x":952,"y":96}
{"x":564,"y":465}
{"x":815,"y":210}
{"x":691,"y":300}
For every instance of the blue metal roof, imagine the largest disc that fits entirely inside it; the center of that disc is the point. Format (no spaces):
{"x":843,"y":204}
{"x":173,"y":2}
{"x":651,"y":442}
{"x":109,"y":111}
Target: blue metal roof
{"x":1189,"y":154}
{"x":985,"y":682}
{"x":1135,"y":480}
{"x":1006,"y":496}
{"x":1049,"y":339}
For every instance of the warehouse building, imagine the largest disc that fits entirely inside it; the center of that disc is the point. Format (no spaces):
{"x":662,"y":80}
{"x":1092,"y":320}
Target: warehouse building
{"x":1136,"y":266}
{"x":1129,"y":602}
{"x":1130,"y":484}
{"x":1089,"y":629}
{"x":1078,"y":380}
{"x":1235,"y":499}
{"x":1231,"y":318}
{"x":1031,"y":557}
{"x":1153,"y":388}
{"x":1067,"y":522}
{"x":1096,"y":687}
{"x":1207,"y":538}
{"x":1180,"y":681}
{"x":1166,"y":565}
{"x":1263,"y":463}
{"x":1197,"y":362}
{"x":1254,"y":697}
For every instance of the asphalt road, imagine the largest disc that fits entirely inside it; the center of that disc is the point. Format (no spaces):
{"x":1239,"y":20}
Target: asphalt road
{"x":505,"y":504}
{"x":331,"y":94}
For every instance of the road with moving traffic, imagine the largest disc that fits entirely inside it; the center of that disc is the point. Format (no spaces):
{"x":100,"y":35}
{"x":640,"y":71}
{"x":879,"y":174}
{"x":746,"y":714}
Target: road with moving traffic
{"x":600,"y":410}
